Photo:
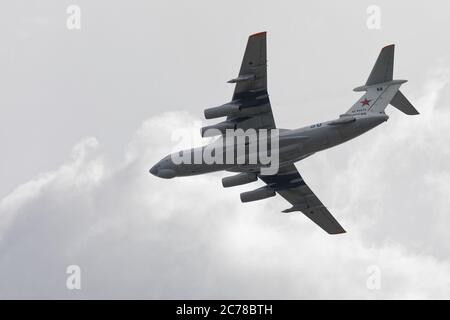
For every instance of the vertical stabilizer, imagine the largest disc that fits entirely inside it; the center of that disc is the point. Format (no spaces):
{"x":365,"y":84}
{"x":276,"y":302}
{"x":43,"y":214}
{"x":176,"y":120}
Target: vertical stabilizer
{"x":383,"y":69}
{"x":380,"y":88}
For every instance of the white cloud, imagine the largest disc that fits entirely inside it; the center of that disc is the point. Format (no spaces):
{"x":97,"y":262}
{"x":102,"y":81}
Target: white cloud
{"x":137,"y":236}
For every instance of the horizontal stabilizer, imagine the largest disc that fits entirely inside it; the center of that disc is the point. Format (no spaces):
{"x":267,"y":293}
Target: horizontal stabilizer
{"x":402,"y":103}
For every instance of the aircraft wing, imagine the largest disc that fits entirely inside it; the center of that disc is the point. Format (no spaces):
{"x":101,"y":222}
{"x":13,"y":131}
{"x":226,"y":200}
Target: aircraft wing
{"x":250,"y":92}
{"x":290,"y":185}
{"x":249,"y":107}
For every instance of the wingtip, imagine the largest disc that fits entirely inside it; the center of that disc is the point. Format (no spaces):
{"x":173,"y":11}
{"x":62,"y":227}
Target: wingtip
{"x":258,"y":34}
{"x":389,"y":46}
{"x":339,"y":232}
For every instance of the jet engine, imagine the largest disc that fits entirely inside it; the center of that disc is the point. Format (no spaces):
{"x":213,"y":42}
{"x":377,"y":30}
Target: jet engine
{"x":220,"y":128}
{"x":232,"y":109}
{"x":236,"y":180}
{"x":221,"y":111}
{"x":258,"y":194}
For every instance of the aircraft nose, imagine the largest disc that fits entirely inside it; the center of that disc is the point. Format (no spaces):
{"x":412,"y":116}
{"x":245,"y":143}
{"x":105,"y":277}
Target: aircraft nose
{"x":154,"y":170}
{"x":162,"y":171}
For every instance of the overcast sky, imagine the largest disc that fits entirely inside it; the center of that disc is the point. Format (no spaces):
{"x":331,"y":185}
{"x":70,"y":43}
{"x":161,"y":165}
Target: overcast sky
{"x":85,"y":113}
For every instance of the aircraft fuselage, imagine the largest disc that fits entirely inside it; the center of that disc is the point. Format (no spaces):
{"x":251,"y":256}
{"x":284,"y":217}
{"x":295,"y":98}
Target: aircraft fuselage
{"x":294,"y":145}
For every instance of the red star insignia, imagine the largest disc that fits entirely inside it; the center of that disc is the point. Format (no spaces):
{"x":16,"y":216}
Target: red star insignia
{"x":365,"y":102}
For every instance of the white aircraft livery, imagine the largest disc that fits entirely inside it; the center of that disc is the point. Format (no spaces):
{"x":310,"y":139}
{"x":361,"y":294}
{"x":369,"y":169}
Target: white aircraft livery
{"x":249,"y":144}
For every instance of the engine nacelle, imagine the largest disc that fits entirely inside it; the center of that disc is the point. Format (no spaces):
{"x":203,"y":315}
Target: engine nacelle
{"x":232,"y":109}
{"x":220,"y":129}
{"x":258,"y":194}
{"x":236,"y":180}
{"x":221,"y":111}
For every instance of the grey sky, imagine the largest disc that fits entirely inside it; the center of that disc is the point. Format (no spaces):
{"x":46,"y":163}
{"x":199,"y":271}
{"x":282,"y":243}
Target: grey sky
{"x":131,"y":235}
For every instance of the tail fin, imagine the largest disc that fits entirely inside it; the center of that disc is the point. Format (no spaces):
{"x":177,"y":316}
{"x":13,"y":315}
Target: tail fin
{"x":381,"y":89}
{"x":383,"y":69}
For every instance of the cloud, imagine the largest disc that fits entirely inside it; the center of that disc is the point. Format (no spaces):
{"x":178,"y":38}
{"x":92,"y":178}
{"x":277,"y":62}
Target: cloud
{"x":137,"y":236}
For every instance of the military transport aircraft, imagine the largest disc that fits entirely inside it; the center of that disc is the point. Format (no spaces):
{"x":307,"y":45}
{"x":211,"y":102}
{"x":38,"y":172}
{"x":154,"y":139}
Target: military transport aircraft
{"x":250,"y":108}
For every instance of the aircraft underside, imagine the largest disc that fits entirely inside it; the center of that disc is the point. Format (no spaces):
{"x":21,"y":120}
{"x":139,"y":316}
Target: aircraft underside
{"x":250,"y":109}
